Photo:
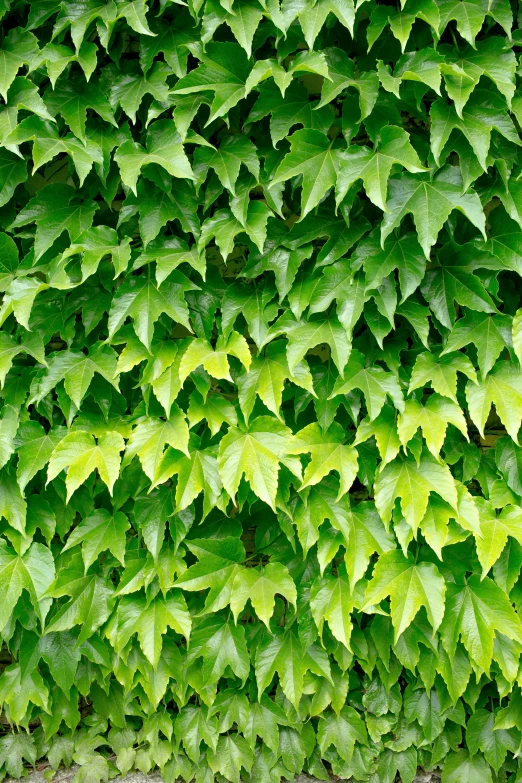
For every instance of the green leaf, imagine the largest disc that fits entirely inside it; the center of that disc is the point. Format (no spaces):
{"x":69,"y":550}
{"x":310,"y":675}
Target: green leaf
{"x":481,"y":736}
{"x":442,"y":373}
{"x":217,"y":568}
{"x":255,"y":452}
{"x":331,"y":600}
{"x":413,"y":482}
{"x":214,"y":360}
{"x":342,"y":731}
{"x":71,"y":99}
{"x":503,"y":388}
{"x":227,"y":160}
{"x":474,"y":611}
{"x":374,"y":166}
{"x":164,"y":148}
{"x":460,"y":767}
{"x":144,"y":301}
{"x":223,"y":70}
{"x":311,"y":155}
{"x":150,"y":621}
{"x":495,"y":531}
{"x":150,"y":436}
{"x":481,"y":115}
{"x":260,"y":586}
{"x":266,"y":379}
{"x":222,"y":646}
{"x":34,"y":572}
{"x":284,"y":655}
{"x":489,"y":333}
{"x":77,"y":371}
{"x":80,"y":454}
{"x":430,"y":203}
{"x":52,"y":220}
{"x":328,"y":453}
{"x":375,"y":383}
{"x":410,"y":585}
{"x":100,"y":532}
{"x":19,"y":47}
{"x":433,"y":419}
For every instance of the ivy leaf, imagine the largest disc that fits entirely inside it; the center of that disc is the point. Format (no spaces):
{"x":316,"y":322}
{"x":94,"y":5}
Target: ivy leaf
{"x":164,"y":148}
{"x":150,"y":436}
{"x":474,"y":611}
{"x":494,"y":744}
{"x":97,"y":533}
{"x":413,"y":482}
{"x":16,"y":748}
{"x":144,"y":301}
{"x":172,"y":41}
{"x":192,"y":727}
{"x":222,"y":645}
{"x":420,"y":66}
{"x":468,"y":16}
{"x":430,"y":203}
{"x":217,"y":568}
{"x":232,"y":754}
{"x":52,"y":220}
{"x":305,"y":335}
{"x":13,"y":171}
{"x":442,"y":373}
{"x":224,"y":227}
{"x":255,"y":452}
{"x":495,"y":531}
{"x":451,"y":279}
{"x":404,"y":254}
{"x":215,"y":409}
{"x":342,"y":731}
{"x":294,"y":108}
{"x":80,"y":453}
{"x":328,"y":453}
{"x":331,"y":600}
{"x":195,"y":474}
{"x":215,"y":361}
{"x":374,"y":166}
{"x":503,"y":387}
{"x":312,"y":19}
{"x":341,"y":71}
{"x":401,"y":22}
{"x":72,"y":98}
{"x":284,"y":655}
{"x":34,"y":572}
{"x":312,"y":155}
{"x":266,"y":379}
{"x":433,"y":418}
{"x":18,"y":48}
{"x":489,"y":333}
{"x":129,"y":89}
{"x":410,"y":586}
{"x":149,"y":621}
{"x":227,"y":160}
{"x":223,"y":70}
{"x":96,"y":243}
{"x":77,"y":370}
{"x":260,"y":586}
{"x":374,"y":382}
{"x":169,"y":253}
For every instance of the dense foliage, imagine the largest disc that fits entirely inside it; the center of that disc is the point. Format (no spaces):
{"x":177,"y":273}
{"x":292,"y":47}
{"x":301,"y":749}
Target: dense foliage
{"x":260,"y":356}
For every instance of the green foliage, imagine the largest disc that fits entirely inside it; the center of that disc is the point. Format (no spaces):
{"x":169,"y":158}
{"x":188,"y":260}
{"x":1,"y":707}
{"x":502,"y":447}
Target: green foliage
{"x":261,"y":389}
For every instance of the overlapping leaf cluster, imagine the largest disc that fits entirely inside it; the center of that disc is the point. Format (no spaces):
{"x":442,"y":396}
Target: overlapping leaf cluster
{"x":260,"y":348}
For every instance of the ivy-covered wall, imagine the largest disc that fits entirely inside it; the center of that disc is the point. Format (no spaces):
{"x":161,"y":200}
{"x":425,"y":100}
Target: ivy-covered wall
{"x":260,"y":472}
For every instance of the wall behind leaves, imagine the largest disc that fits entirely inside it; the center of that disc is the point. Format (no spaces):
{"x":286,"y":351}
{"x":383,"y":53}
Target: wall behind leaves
{"x":261,"y":481}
